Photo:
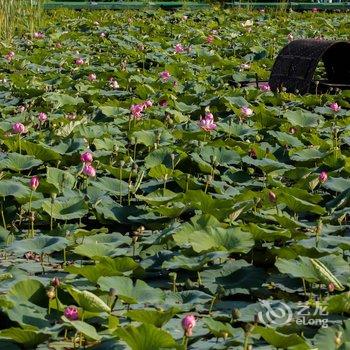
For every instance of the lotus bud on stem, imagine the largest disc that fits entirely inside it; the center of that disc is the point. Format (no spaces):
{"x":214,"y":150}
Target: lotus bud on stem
{"x":208,"y":182}
{"x":53,"y":197}
{"x":188,"y":323}
{"x":173,"y":277}
{"x":112,"y":298}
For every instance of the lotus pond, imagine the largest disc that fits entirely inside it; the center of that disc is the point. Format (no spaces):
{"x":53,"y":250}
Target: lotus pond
{"x":147,"y":202}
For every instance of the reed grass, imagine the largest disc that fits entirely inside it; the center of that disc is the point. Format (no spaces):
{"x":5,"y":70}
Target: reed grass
{"x":18,"y":17}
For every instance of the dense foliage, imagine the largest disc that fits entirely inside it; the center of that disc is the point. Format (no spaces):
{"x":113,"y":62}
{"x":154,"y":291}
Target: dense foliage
{"x":141,"y":187}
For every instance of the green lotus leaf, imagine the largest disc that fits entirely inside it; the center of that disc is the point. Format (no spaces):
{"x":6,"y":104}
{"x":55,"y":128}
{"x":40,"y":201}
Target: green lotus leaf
{"x":94,"y":250}
{"x":111,"y":186}
{"x":13,"y":188}
{"x":40,"y":245}
{"x":83,"y":327}
{"x":130,"y":293}
{"x":25,"y":337}
{"x":155,"y":317}
{"x":105,"y":267}
{"x":307,"y":155}
{"x":280,"y":340}
{"x":203,"y":234}
{"x":19,"y":162}
{"x":61,"y":100}
{"x":303,"y":268}
{"x":60,"y":178}
{"x":40,"y":151}
{"x":304,"y":118}
{"x":147,"y":337}
{"x":66,"y":208}
{"x":88,"y":301}
{"x":219,"y":329}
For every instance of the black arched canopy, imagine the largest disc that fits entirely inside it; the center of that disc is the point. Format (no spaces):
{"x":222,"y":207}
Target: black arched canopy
{"x":295,"y":65}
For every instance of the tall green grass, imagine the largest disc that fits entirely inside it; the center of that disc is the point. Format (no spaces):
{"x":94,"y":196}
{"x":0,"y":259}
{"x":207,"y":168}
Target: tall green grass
{"x":18,"y":17}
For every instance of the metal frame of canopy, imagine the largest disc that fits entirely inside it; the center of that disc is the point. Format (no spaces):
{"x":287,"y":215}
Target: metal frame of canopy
{"x":295,"y":66}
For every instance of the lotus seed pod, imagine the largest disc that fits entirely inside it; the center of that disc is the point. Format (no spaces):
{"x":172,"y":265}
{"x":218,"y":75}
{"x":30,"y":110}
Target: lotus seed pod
{"x":236,"y":314}
{"x":55,"y":282}
{"x":331,"y":287}
{"x":51,"y":294}
{"x":112,"y":292}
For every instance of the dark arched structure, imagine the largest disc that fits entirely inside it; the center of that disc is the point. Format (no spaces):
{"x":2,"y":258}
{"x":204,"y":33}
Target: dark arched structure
{"x":295,"y":65}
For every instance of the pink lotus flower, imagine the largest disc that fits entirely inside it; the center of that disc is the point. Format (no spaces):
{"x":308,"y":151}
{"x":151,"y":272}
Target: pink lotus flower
{"x":89,"y":170}
{"x":21,"y":109}
{"x":136,"y":110}
{"x":323,"y":177}
{"x":292,"y":130}
{"x":10,"y":56}
{"x":264,"y":87}
{"x":163,"y":103}
{"x":42,"y":117}
{"x":71,"y":312}
{"x":209,"y":39}
{"x":165,"y":76}
{"x":207,"y":123}
{"x":92,"y":77}
{"x":245,"y":66}
{"x":140,"y":47}
{"x":71,"y":116}
{"x":34,"y":183}
{"x":79,"y":61}
{"x":113,"y":83}
{"x":246,"y":111}
{"x":335,"y":107}
{"x":86,"y":157}
{"x":188,"y":323}
{"x":18,"y":128}
{"x":39,"y":35}
{"x":178,"y":48}
{"x":147,"y":104}
{"x":272,"y":197}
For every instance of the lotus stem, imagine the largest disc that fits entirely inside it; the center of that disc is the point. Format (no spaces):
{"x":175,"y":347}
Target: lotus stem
{"x":19,"y":144}
{"x":212,"y":303}
{"x":185,"y":342}
{"x":51,"y":212}
{"x":2,"y":213}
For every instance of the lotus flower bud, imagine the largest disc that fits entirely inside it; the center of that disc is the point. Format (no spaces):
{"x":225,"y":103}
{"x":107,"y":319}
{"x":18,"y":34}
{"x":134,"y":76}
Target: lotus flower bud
{"x":323,"y":177}
{"x":331,"y":287}
{"x":86,"y":157}
{"x":272,"y":197}
{"x":188,"y":323}
{"x":89,"y":170}
{"x":71,"y":312}
{"x":55,"y":282}
{"x":34,"y":183}
{"x":18,"y":128}
{"x":42,"y":117}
